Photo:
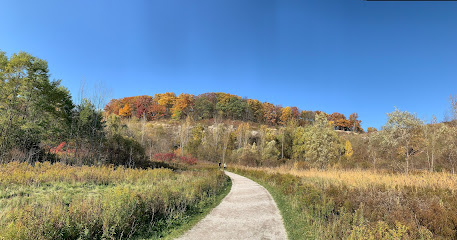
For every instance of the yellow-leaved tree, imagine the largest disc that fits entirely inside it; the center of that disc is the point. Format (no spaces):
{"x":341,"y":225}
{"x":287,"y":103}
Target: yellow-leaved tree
{"x":126,"y":111}
{"x":286,"y":115}
{"x":348,"y":149}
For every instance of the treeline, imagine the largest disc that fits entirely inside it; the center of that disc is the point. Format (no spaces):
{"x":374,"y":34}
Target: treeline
{"x":404,"y":144}
{"x":238,"y":142}
{"x":228,"y":106}
{"x":407,"y":143}
{"x":39,"y":121}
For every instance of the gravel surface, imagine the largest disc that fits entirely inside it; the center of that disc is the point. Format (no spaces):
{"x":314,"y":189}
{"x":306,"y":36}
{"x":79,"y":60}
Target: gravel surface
{"x":247,"y":212}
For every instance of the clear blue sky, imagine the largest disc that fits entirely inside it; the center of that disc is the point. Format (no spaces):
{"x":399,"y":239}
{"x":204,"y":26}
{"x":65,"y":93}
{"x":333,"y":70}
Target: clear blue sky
{"x":331,"y":55}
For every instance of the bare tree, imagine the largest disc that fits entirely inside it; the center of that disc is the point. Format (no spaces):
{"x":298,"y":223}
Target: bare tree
{"x":453,"y":102}
{"x":431,"y":135}
{"x":227,"y":134}
{"x":449,"y":150}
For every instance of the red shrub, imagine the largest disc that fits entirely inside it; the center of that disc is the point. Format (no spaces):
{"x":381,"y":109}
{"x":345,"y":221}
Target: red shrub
{"x":59,"y":148}
{"x":164,"y":157}
{"x":188,"y":160}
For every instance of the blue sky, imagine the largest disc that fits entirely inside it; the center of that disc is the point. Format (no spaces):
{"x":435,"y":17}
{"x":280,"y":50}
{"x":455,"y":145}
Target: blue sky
{"x":331,"y":55}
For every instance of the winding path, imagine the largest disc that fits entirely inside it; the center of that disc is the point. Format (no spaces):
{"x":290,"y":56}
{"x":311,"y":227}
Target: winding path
{"x":247,"y":212}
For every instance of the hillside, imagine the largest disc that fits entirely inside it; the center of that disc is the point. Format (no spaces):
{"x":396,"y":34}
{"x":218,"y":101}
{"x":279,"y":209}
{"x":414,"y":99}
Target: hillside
{"x":223,"y":105}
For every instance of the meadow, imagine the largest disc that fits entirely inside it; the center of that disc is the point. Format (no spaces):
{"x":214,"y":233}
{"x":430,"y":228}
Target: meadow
{"x":58,"y":201}
{"x":361,"y":204}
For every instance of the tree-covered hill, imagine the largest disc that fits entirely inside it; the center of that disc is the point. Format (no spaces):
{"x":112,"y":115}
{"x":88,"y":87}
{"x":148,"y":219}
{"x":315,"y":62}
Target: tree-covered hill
{"x":225,"y":105}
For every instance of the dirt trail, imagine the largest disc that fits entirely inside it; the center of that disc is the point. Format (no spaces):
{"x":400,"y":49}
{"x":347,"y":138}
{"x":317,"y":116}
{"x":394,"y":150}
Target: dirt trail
{"x":247,"y":212}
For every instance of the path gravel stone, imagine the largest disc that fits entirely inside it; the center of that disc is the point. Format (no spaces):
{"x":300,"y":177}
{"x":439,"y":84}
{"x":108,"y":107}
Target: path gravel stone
{"x":247,"y":212}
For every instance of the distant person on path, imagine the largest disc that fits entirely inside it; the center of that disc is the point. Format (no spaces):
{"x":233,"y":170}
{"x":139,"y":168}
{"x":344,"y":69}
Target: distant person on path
{"x":219,"y":165}
{"x":225,"y":166}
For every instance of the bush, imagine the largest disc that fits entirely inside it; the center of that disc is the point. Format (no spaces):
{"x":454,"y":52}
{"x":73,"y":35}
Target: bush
{"x":124,"y":151}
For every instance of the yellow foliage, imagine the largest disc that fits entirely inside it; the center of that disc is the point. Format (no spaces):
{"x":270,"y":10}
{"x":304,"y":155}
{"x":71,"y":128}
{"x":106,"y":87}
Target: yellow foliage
{"x":182,"y":103}
{"x":126,"y":111}
{"x":348,"y":149}
{"x":286,"y":114}
{"x":165,"y":99}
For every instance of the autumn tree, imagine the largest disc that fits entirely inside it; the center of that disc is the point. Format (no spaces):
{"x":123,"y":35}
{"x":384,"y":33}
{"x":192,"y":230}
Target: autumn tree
{"x":267,"y":144}
{"x":255,"y":110}
{"x":166,"y":100}
{"x":339,"y":121}
{"x":307,"y":118}
{"x":371,"y":130}
{"x":348,"y":149}
{"x":142,"y":104}
{"x":242,"y":135}
{"x":113,"y":106}
{"x":195,"y":140}
{"x":285,"y":138}
{"x":269,"y":113}
{"x":226,"y":141}
{"x":449,"y":149}
{"x":211,"y":143}
{"x":402,"y":132}
{"x":286,"y":115}
{"x":295,"y":113}
{"x":375,"y":146}
{"x":354,"y":123}
{"x":317,"y":144}
{"x":432,"y":134}
{"x":184,"y":134}
{"x":125,"y":111}
{"x":156,"y":111}
{"x":183,"y":105}
{"x":299,"y":143}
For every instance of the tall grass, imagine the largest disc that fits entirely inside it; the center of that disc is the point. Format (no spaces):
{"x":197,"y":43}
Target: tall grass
{"x":364,"y":179}
{"x":57,"y":201}
{"x":337,"y":204}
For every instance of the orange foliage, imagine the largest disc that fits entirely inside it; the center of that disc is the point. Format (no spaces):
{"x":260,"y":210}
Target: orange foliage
{"x":184,"y":103}
{"x":204,"y":106}
{"x":126,"y":111}
{"x":269,"y":113}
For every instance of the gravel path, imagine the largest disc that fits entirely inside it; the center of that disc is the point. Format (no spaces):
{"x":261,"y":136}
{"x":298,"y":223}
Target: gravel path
{"x":247,"y":212}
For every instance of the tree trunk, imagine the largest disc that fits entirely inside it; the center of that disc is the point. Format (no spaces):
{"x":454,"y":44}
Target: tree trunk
{"x":282,"y":146}
{"x":407,"y":164}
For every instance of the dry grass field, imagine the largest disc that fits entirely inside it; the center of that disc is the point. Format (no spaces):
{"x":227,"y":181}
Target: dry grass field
{"x":57,"y":201}
{"x":358,"y":204}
